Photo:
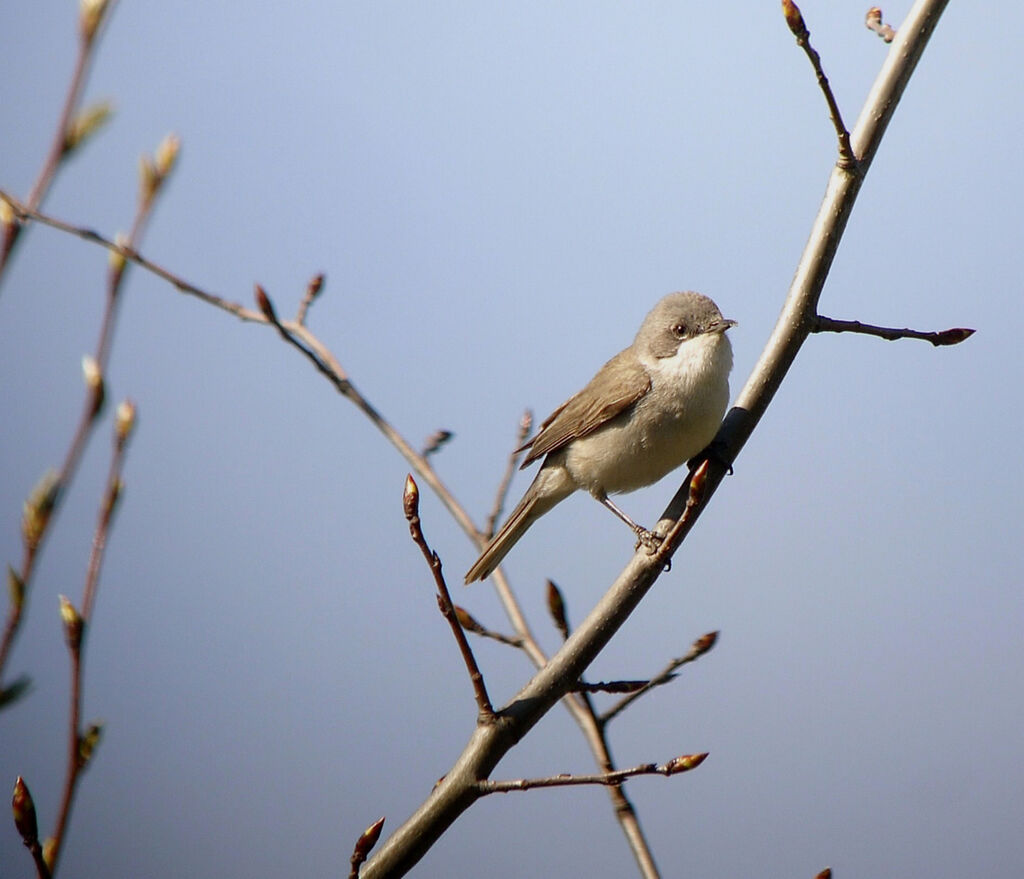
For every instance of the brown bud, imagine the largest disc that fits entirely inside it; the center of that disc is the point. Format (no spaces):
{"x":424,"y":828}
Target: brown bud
{"x":315,"y":285}
{"x":367,"y":840}
{"x":704,"y":643}
{"x":794,"y":19}
{"x":698,"y":483}
{"x":411,"y":498}
{"x":25,"y":813}
{"x":467,"y":622}
{"x":264,"y":304}
{"x":825,"y":874}
{"x":556,"y":607}
{"x":685,"y":763}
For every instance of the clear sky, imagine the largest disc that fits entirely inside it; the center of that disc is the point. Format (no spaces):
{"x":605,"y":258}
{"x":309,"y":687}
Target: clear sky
{"x":498,"y":193}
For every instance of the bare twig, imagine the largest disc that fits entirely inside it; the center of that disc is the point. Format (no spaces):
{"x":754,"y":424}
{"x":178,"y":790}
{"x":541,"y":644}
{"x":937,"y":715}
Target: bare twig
{"x":953,"y":336}
{"x":411,"y":503}
{"x":673,"y":767}
{"x":325,"y":362}
{"x":522,"y":432}
{"x":81,"y":744}
{"x":454,"y":794}
{"x":699,"y":647}
{"x":873,"y":22}
{"x":557,"y":609}
{"x":91,"y":18}
{"x":795,"y":20}
{"x":313,"y":289}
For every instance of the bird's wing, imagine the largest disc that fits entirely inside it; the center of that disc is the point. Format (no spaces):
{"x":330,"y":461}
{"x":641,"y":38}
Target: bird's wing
{"x":585,"y":412}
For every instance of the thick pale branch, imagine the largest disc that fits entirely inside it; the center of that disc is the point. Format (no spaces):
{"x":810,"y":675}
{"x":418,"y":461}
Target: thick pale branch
{"x":458,"y":790}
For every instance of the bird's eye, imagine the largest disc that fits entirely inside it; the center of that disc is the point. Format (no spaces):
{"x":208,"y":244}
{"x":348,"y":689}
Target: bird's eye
{"x":679,"y":330}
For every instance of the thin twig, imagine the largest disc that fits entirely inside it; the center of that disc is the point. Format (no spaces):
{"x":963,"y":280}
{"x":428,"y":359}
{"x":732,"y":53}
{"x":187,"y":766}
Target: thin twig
{"x":80,"y":746}
{"x":522,"y":432}
{"x":313,"y":289}
{"x":90,"y":24}
{"x":953,"y":336}
{"x":795,"y":20}
{"x":699,"y":647}
{"x":673,"y":767}
{"x":411,"y":502}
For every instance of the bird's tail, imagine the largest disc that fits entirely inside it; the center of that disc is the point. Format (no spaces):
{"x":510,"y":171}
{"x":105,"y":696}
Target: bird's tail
{"x":545,"y":491}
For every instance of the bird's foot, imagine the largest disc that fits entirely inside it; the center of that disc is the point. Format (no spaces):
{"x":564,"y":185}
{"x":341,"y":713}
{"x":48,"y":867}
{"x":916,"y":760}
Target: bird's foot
{"x":649,"y":540}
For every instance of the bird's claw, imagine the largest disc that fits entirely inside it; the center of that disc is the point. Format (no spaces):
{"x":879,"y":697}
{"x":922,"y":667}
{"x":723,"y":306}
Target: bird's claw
{"x":648,"y":540}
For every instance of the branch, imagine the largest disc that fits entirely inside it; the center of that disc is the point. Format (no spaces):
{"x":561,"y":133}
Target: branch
{"x":523,"y":431}
{"x":46,"y":499}
{"x":680,"y":764}
{"x":953,"y":336}
{"x":81,"y":745}
{"x":795,"y":20}
{"x":701,"y":646}
{"x":299,"y":336}
{"x":458,"y":789}
{"x":69,"y":134}
{"x":411,"y":502}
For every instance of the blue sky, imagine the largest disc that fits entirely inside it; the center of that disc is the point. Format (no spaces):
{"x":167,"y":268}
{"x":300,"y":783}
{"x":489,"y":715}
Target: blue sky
{"x":497,"y":195}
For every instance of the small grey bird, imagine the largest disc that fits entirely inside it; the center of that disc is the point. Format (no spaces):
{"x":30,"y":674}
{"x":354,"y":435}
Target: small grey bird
{"x":650,"y":408}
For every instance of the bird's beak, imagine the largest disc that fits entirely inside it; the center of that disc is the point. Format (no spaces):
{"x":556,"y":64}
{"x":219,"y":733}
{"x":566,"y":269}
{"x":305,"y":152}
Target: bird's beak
{"x":720,"y":326}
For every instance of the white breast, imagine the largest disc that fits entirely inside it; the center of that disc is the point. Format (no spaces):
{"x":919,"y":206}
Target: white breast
{"x":675,"y":420}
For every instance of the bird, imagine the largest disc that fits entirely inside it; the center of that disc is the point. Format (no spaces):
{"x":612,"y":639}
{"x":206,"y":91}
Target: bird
{"x":653,"y":406}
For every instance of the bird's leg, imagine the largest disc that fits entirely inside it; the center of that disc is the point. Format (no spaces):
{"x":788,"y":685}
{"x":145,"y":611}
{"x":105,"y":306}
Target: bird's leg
{"x":645,"y":538}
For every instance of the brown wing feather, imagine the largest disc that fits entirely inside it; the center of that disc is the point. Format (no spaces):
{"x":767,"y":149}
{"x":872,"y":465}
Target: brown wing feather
{"x":585,"y":412}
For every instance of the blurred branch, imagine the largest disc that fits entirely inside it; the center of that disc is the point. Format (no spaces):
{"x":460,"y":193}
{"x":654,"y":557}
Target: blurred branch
{"x":523,"y":431}
{"x":68,"y":135}
{"x":82,"y":743}
{"x":953,"y":336}
{"x":46,"y":499}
